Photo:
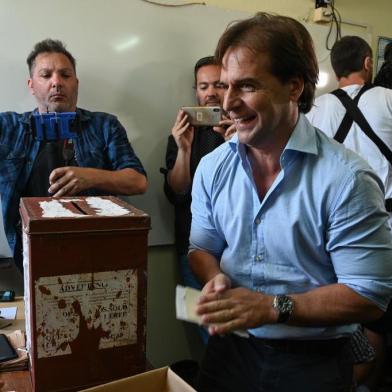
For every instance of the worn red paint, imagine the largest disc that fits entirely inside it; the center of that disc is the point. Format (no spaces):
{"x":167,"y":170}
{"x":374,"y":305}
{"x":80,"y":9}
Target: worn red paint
{"x":44,"y":290}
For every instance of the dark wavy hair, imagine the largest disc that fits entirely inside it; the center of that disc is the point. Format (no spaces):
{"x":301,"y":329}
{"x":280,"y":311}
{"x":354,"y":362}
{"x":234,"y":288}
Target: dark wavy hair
{"x":286,"y":41}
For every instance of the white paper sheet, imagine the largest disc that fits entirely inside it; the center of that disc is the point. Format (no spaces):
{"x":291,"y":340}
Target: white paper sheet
{"x":8,"y":313}
{"x":186,"y":302}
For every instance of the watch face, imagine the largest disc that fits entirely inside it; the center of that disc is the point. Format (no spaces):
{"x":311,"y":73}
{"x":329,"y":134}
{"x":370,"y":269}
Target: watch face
{"x":284,"y":305}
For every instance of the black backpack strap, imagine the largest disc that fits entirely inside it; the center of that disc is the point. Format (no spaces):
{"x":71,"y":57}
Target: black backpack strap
{"x":359,"y":118}
{"x":348,"y":120}
{"x":354,"y":114}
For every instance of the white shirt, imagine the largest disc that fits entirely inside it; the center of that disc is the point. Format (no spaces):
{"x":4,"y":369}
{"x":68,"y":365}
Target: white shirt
{"x":376,"y":105}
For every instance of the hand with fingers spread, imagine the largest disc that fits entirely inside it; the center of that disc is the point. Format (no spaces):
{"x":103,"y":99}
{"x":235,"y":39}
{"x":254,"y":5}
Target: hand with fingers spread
{"x":234,"y":309}
{"x":226,"y":128}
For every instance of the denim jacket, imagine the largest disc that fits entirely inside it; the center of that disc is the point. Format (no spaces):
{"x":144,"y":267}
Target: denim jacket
{"x":102,"y":143}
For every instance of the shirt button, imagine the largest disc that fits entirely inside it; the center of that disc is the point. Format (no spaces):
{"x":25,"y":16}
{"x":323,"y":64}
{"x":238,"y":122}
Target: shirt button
{"x":258,"y":258}
{"x":258,"y":221}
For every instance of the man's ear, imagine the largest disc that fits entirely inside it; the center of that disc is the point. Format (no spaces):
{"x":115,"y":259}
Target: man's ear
{"x":30,"y":85}
{"x":297,"y":87}
{"x":368,"y":64}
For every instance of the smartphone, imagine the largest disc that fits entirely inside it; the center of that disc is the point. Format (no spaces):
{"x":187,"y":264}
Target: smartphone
{"x":203,"y":115}
{"x":7,"y":352}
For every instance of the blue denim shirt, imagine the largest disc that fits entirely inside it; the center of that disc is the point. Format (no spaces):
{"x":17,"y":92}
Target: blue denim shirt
{"x":101,"y":144}
{"x":322,"y":221}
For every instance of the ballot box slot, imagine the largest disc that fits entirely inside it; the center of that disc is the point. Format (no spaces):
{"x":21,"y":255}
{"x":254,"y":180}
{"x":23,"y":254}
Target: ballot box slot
{"x":79,"y":208}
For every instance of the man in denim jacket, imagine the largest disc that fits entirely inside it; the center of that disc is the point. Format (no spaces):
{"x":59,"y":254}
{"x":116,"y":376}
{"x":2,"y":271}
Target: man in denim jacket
{"x":99,"y":160}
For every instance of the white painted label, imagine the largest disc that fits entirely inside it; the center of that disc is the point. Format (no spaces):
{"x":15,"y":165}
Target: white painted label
{"x":103,"y":207}
{"x":56,"y":209}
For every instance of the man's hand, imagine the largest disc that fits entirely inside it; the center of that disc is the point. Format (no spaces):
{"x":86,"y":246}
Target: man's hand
{"x":218,"y":284}
{"x":183,"y":132}
{"x":226,"y":128}
{"x":235,"y":309}
{"x":70,"y":180}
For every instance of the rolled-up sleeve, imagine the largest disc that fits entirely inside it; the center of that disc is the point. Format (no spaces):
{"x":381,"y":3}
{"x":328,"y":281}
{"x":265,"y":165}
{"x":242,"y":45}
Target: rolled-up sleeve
{"x":359,"y":239}
{"x":204,"y":235}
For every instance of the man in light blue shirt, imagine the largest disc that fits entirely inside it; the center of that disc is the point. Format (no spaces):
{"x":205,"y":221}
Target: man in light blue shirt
{"x":289,"y":230}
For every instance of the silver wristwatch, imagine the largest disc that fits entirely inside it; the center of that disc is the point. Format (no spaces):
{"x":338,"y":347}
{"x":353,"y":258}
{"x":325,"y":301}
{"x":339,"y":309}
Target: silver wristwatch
{"x":284,"y":305}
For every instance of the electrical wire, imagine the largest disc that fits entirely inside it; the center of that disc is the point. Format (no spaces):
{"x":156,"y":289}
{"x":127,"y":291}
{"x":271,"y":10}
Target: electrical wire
{"x":174,"y":5}
{"x":336,"y":23}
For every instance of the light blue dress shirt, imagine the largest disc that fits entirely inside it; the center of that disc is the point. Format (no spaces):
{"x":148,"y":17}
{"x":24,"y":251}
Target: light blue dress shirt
{"x":322,"y":221}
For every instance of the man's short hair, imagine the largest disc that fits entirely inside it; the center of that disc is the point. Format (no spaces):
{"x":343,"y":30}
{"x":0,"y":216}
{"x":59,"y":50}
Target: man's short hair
{"x":208,"y":60}
{"x":286,"y":41}
{"x":48,"y":46}
{"x":348,"y":55}
{"x":388,"y":52}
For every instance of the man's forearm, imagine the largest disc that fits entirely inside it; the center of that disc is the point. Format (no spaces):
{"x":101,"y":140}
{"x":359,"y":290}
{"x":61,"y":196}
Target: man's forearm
{"x":122,"y":182}
{"x":203,"y":265}
{"x":332,"y":305}
{"x":179,"y":178}
{"x":241,"y":308}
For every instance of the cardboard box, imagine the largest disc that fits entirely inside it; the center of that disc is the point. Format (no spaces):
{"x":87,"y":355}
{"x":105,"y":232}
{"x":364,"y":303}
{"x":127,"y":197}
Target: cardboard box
{"x":159,"y":380}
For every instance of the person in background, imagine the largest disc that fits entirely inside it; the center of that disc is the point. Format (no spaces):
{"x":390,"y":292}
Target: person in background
{"x":384,"y":75}
{"x":186,"y":146}
{"x":365,"y":128}
{"x":289,"y":233}
{"x":98,"y":161}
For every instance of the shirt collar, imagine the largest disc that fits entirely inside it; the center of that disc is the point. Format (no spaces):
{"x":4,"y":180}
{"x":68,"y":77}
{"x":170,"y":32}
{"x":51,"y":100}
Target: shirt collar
{"x":303,"y":139}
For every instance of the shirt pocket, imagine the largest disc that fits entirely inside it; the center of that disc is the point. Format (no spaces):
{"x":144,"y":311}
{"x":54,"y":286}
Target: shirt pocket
{"x":11,"y":163}
{"x":92,"y":158}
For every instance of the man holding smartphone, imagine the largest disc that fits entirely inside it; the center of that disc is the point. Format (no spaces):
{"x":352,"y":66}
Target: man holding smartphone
{"x":99,"y":160}
{"x":186,"y":146}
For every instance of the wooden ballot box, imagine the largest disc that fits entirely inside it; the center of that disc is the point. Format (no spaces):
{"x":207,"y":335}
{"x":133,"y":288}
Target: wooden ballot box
{"x":85,"y":289}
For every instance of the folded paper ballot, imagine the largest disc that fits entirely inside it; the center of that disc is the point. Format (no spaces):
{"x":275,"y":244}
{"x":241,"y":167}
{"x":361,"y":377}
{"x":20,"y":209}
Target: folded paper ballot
{"x":186,"y":301}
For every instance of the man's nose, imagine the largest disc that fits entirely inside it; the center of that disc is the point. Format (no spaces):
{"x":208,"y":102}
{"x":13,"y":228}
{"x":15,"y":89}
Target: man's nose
{"x":230,"y":100}
{"x":211,"y":90}
{"x":56,"y":80}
